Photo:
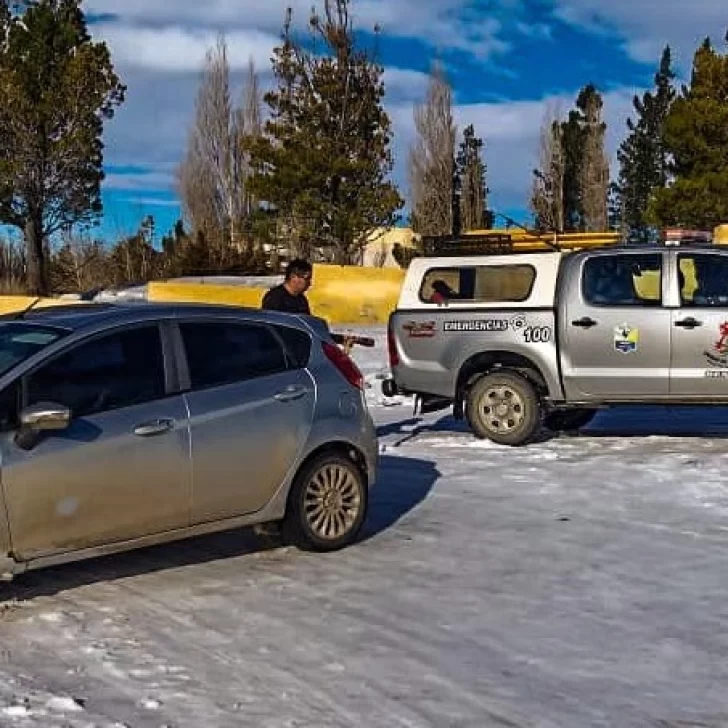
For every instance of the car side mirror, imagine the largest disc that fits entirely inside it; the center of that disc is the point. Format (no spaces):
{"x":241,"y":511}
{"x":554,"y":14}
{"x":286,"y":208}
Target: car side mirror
{"x":41,"y":417}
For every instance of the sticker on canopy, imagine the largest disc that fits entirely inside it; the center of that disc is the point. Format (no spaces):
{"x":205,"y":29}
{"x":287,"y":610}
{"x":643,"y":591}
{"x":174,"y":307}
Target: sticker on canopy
{"x":626,"y":338}
{"x":420,"y":329}
{"x":717,"y":355}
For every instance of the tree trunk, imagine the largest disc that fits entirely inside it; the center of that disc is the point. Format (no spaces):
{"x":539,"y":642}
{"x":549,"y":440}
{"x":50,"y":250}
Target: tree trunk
{"x":37,"y":274}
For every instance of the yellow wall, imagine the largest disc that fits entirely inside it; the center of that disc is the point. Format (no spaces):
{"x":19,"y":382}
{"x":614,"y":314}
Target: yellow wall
{"x":340,"y":294}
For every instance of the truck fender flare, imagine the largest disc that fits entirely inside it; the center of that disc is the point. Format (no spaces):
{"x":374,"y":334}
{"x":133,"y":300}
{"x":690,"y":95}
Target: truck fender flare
{"x":485,"y":362}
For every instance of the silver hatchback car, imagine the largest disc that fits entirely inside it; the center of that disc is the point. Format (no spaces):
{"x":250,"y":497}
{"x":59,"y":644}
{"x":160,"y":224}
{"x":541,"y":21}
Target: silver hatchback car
{"x":123,"y":426}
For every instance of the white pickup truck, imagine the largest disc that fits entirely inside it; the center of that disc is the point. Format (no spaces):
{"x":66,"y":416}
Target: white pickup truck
{"x":518,"y":341}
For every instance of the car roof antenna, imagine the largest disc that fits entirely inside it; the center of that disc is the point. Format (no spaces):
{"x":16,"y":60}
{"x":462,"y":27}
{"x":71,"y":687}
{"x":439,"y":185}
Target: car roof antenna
{"x":27,"y":309}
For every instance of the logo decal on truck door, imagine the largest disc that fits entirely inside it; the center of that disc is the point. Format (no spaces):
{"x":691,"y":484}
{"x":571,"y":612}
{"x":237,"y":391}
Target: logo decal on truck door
{"x":626,"y":338}
{"x":717,"y":356}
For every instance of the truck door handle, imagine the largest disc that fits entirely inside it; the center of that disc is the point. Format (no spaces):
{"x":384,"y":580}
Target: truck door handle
{"x":688,"y":323}
{"x":584,"y":322}
{"x":290,"y":393}
{"x":156,"y":427}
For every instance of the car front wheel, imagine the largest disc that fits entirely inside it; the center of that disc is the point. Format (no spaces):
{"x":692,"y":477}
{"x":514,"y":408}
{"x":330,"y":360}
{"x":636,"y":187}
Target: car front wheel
{"x":327,"y":505}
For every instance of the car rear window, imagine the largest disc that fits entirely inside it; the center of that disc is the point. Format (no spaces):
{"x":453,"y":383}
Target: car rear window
{"x":478,"y":284}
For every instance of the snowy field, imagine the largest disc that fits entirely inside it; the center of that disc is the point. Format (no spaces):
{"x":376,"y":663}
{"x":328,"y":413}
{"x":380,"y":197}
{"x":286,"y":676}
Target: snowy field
{"x":582,"y":581}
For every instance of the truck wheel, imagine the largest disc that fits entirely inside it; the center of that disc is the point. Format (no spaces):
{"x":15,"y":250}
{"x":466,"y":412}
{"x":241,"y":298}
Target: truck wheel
{"x":505,"y":408}
{"x":327,"y":505}
{"x":565,"y":420}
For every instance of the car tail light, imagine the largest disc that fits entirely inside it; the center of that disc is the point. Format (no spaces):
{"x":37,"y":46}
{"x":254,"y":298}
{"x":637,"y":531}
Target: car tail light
{"x":392,"y":347}
{"x":345,"y":364}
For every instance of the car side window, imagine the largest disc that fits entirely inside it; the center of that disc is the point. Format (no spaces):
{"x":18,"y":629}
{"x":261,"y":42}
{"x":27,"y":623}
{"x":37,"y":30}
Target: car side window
{"x":703,"y":279}
{"x":298,"y":345}
{"x":225,"y":353}
{"x":623,"y":280}
{"x":116,"y":370}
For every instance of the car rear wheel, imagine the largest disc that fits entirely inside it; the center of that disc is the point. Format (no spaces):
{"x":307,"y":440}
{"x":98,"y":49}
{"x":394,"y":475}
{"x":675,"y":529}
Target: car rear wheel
{"x":504,"y":407}
{"x":328,"y":504}
{"x":568,"y":420}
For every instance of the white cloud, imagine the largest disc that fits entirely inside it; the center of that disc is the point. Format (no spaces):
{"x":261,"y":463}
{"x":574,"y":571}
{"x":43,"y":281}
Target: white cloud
{"x":150,"y":201}
{"x":440,"y":23}
{"x":176,"y":48}
{"x":648,"y":24}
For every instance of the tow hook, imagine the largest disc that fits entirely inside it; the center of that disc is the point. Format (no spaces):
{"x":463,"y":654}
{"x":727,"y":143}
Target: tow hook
{"x":389,"y":388}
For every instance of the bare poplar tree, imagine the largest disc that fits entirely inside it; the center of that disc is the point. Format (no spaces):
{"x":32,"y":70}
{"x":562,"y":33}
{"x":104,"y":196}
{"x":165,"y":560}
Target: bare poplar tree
{"x":547,"y":197}
{"x":432,"y":159}
{"x":248,"y":128}
{"x":213,"y":175}
{"x":594,"y":171}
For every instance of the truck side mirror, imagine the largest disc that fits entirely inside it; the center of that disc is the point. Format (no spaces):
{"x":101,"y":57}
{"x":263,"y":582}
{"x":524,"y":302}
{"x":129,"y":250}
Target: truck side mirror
{"x":41,"y":417}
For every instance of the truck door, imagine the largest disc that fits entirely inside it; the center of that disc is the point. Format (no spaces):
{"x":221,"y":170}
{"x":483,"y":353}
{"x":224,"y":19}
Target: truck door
{"x":699,"y":365}
{"x":616,"y":332}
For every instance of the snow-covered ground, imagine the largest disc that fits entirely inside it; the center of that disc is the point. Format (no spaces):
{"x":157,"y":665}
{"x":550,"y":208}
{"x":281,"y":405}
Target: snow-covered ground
{"x":582,"y":581}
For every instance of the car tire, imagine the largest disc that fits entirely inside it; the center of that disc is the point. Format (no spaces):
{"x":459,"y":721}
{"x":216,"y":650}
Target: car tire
{"x":568,"y":420}
{"x":327,"y":505}
{"x":504,"y":407}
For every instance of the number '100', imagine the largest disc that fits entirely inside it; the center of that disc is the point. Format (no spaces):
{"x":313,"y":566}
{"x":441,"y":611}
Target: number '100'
{"x":537,"y":334}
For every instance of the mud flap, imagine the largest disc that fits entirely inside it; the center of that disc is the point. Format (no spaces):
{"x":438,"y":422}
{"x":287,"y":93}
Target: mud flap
{"x":426,"y":403}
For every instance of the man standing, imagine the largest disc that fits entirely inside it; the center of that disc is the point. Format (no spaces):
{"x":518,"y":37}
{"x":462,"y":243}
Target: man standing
{"x":290,"y":296}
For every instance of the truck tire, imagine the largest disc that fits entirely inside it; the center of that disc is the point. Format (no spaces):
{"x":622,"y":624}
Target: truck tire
{"x":568,"y":420}
{"x":504,"y":407}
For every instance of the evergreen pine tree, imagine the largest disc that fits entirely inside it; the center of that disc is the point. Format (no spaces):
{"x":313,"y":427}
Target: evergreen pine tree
{"x":643,"y":159}
{"x":472,"y":199}
{"x":324,"y":157}
{"x":58,"y":87}
{"x":696,"y":140}
{"x":585,"y":169}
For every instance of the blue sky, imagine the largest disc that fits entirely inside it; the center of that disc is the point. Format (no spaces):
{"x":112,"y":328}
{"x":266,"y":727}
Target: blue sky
{"x":508,"y":61}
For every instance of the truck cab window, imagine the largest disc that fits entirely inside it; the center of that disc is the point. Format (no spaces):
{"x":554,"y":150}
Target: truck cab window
{"x":703,"y":279}
{"x":623,"y":280}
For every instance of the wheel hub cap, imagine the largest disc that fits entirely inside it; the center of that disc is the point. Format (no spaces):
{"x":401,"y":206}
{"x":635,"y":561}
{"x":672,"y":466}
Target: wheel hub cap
{"x":332,"y":501}
{"x":502,"y":409}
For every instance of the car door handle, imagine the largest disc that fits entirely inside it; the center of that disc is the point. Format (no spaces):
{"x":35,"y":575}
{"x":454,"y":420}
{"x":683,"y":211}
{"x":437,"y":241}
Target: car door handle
{"x":688,"y":323}
{"x":290,"y":393}
{"x":156,"y":427}
{"x":585,"y":322}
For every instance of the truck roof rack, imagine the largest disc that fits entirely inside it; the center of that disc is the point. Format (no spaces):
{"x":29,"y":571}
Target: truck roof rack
{"x":453,"y":245}
{"x":500,"y":242}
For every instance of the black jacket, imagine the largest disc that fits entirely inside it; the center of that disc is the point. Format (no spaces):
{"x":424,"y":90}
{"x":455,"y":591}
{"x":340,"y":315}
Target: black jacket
{"x":279,"y":299}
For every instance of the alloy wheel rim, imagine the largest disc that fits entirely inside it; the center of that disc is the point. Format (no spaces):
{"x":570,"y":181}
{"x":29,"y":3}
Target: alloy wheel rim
{"x":332,"y":501}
